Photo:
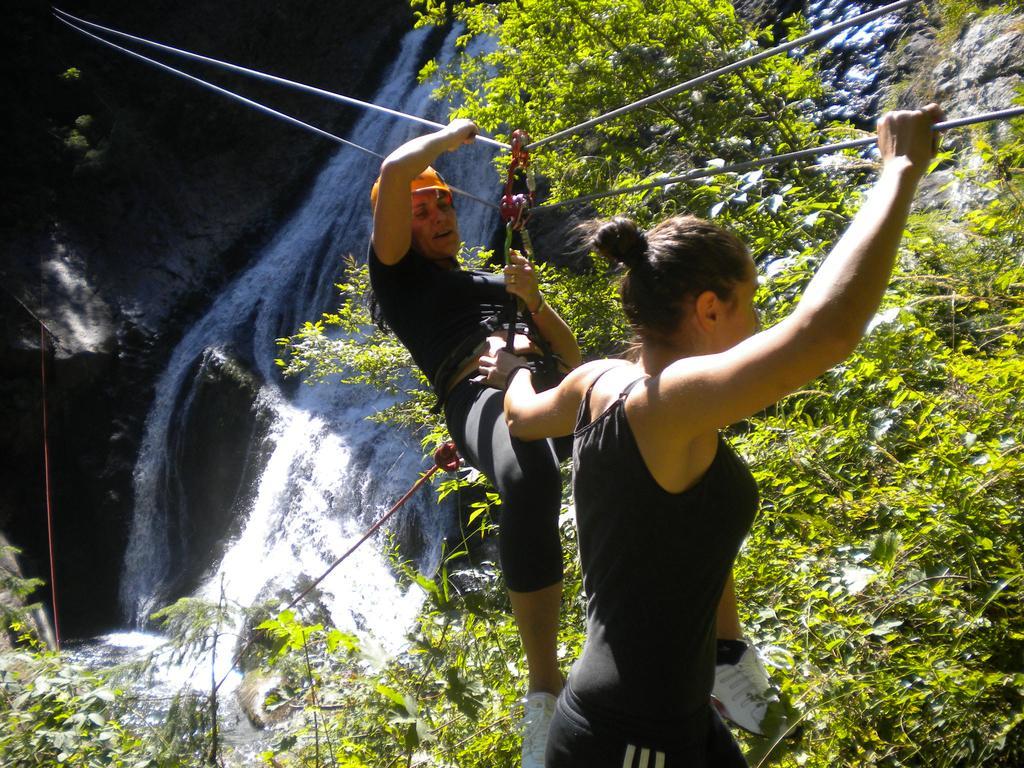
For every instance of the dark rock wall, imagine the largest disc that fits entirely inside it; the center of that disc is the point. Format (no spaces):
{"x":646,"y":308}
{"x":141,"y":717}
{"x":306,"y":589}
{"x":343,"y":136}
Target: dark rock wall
{"x":220,"y":455}
{"x":130,"y":197}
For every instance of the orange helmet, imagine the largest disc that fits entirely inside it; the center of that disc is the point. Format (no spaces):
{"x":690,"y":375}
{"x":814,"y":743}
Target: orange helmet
{"x":429,"y":179}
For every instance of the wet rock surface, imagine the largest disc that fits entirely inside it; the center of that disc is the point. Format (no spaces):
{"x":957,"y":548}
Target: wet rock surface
{"x":12,"y":603}
{"x":984,"y":69}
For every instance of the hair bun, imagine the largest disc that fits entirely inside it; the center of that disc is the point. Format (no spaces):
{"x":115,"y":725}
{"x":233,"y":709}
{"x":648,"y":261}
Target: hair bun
{"x":621,"y":240}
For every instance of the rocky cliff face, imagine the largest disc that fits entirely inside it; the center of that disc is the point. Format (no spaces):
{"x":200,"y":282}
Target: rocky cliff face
{"x":980,"y":69}
{"x":131,"y":197}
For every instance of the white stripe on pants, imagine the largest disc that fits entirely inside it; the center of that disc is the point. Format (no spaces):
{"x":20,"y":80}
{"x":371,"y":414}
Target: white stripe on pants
{"x":645,"y":758}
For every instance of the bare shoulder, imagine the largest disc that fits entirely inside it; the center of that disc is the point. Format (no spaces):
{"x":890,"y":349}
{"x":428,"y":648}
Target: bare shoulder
{"x":580,"y":378}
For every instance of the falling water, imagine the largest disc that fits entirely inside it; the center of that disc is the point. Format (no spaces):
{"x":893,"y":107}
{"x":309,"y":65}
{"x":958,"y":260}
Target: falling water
{"x":326,"y":472}
{"x":853,"y":57}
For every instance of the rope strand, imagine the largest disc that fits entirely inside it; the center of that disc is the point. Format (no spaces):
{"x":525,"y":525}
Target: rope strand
{"x":808,"y":38}
{"x":268,"y":77}
{"x":446,"y":457}
{"x":47,"y":485}
{"x":223,"y":91}
{"x":254,"y":104}
{"x":747,"y":165}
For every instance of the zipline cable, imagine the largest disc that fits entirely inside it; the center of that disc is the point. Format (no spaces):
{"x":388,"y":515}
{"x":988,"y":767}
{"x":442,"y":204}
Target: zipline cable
{"x":701,"y":79}
{"x":271,"y":78}
{"x":268,"y":77}
{"x":250,"y":102}
{"x":223,"y":91}
{"x":747,"y":165}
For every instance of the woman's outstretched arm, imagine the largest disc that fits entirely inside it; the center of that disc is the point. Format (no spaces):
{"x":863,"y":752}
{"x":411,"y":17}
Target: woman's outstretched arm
{"x":697,"y":394}
{"x":533,"y":415}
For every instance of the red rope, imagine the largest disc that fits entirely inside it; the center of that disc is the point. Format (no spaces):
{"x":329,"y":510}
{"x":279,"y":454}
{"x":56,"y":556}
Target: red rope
{"x":46,"y":476}
{"x":446,"y":457}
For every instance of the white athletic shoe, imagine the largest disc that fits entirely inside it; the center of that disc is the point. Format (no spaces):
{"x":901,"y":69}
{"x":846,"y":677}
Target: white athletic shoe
{"x":538,"y":709}
{"x":742,"y":690}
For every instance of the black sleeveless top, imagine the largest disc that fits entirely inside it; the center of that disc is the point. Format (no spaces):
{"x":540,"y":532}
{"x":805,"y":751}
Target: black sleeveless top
{"x":438,"y":314}
{"x":654,"y":566}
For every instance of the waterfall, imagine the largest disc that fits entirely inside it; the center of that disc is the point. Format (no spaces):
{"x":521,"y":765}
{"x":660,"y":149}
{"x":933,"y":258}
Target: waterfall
{"x":853,"y":57}
{"x":320,"y":473}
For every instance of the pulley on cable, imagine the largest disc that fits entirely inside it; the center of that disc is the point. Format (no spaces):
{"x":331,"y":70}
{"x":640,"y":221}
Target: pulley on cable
{"x":519,"y":197}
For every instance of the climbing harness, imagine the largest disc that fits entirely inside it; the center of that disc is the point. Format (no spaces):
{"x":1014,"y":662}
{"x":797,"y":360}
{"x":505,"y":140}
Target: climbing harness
{"x":446,"y":457}
{"x":515,"y":207}
{"x":747,"y":165}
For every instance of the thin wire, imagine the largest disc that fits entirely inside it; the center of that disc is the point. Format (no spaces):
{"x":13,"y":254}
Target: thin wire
{"x":369,"y":532}
{"x":44,"y":330}
{"x":471,"y":196}
{"x":224,"y":91}
{"x":33,"y":315}
{"x":271,"y":78}
{"x":254,"y":104}
{"x":746,"y":165}
{"x":47,"y":485}
{"x":808,"y":38}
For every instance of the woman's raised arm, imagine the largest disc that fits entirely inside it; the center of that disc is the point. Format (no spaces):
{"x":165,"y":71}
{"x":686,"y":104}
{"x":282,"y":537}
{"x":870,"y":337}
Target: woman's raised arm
{"x":696,"y":394}
{"x":392,"y":216}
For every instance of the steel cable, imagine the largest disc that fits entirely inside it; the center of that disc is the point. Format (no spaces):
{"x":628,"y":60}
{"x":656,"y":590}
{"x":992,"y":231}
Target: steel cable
{"x":251,"y":103}
{"x":747,"y":165}
{"x":268,"y":77}
{"x":701,"y":79}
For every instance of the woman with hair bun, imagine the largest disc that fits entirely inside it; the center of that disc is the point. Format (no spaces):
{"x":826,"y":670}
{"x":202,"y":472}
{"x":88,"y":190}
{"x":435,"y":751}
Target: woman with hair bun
{"x":441,"y":312}
{"x":662,"y":501}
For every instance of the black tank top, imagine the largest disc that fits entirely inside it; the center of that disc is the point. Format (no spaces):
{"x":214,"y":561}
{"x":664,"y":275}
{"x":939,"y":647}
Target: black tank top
{"x":654,"y":566}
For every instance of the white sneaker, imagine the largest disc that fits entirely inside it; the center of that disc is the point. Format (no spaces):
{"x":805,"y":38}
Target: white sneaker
{"x":538,"y":709}
{"x":742,"y":690}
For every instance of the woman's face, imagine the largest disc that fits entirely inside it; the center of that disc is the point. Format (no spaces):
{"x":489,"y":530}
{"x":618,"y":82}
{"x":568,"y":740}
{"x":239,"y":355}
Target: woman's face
{"x":435,"y":228}
{"x":740,"y":320}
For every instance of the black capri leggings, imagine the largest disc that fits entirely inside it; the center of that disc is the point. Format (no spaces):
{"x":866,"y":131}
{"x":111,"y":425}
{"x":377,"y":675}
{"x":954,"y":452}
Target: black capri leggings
{"x":526,"y":476}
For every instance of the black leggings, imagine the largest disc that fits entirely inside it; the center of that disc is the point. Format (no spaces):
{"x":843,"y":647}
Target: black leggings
{"x":526,"y":476}
{"x":698,"y":741}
